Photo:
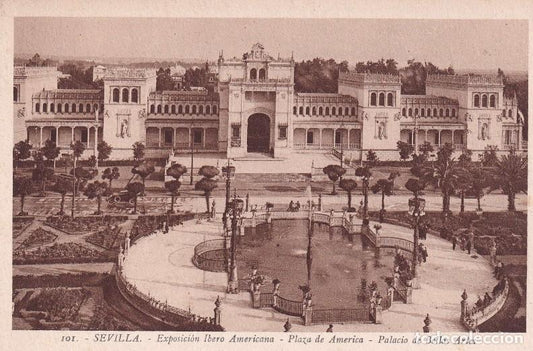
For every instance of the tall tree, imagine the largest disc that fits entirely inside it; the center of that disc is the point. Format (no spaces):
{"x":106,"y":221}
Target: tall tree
{"x":21,"y":151}
{"x":104,"y":150}
{"x":479,"y":183}
{"x":135,"y":189}
{"x":175,"y":171}
{"x":41,"y":174}
{"x":143,"y":170}
{"x":82,"y":175}
{"x":383,"y":186}
{"x":22,"y":187}
{"x":348,"y":185}
{"x":207,"y":184}
{"x":138,"y":151}
{"x":50,"y":151}
{"x":511,"y":177}
{"x":405,"y":150}
{"x":77,"y":148}
{"x":62,"y":186}
{"x":334,"y":172}
{"x":96,"y":190}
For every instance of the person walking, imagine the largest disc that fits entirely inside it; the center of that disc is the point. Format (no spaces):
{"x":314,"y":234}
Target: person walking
{"x":469,"y":246}
{"x":454,"y":242}
{"x":330,"y":329}
{"x":424,"y":252}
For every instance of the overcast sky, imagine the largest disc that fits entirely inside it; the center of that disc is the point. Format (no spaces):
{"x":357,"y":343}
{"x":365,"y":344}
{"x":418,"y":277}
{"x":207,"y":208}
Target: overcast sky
{"x":476,"y":44}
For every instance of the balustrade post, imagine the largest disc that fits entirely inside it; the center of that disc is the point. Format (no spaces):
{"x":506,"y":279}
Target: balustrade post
{"x":307,"y":315}
{"x":256,"y":298}
{"x":378,"y":314}
{"x":464,"y":304}
{"x":254,"y":220}
{"x":409,"y":295}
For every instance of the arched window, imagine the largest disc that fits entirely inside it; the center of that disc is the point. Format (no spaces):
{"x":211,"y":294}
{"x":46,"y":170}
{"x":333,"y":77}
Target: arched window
{"x":435,"y":113}
{"x":52,"y":107}
{"x":423,"y":112}
{"x":404,"y":112}
{"x":253,"y":74}
{"x":208,"y":109}
{"x":73,"y":109}
{"x":476,"y":100}
{"x":152,"y":108}
{"x":447,"y":112}
{"x":483,"y":100}
{"x":492,"y":101}
{"x":166,"y":109}
{"x":15,"y":94}
{"x":453,"y":112}
{"x":95,"y":107}
{"x":38,"y":107}
{"x":320,"y":111}
{"x":390,"y":99}
{"x":327,"y":111}
{"x":201,"y":109}
{"x":134,"y":95}
{"x":504,"y":113}
{"x":340,"y":111}
{"x":214,"y":109}
{"x":441,"y":113}
{"x":381,"y":99}
{"x":59,"y":108}
{"x":193,"y":109}
{"x":45,"y":107}
{"x":88,"y":108}
{"x":346,"y":111}
{"x":180,"y":109}
{"x":80,"y":108}
{"x":510,"y":113}
{"x":187,"y":109}
{"x":294,"y":110}
{"x":373,"y":99}
{"x":410,"y":112}
{"x":333,"y":111}
{"x":67,"y":107}
{"x":416,"y":111}
{"x":353,"y":111}
{"x":262,"y":74}
{"x":307,"y":110}
{"x":159,"y":109}
{"x":314,"y":111}
{"x":116,"y":95}
{"x":172,"y":109}
{"x":429,"y":112}
{"x":125,"y":95}
{"x":301,"y":110}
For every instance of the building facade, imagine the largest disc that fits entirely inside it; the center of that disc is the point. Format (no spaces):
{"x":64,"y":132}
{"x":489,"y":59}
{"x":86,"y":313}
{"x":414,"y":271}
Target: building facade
{"x":254,"y":109}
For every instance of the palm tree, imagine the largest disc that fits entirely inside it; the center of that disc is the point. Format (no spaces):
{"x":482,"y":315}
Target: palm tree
{"x":207,"y":185}
{"x":96,"y":190}
{"x":479,"y":182}
{"x":511,"y":177}
{"x":334,"y":172}
{"x":175,"y":171}
{"x":348,"y":185}
{"x":385,"y":187}
{"x":445,"y":174}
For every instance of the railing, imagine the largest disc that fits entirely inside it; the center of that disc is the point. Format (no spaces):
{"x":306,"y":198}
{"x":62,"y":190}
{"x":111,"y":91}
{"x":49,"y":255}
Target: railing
{"x":361,"y":314}
{"x":244,"y":284}
{"x":290,"y":307}
{"x":266,"y":300}
{"x":400,"y":291}
{"x":477,"y":316}
{"x":319,"y":217}
{"x":369,"y":234}
{"x":204,"y":249}
{"x":392,"y":242}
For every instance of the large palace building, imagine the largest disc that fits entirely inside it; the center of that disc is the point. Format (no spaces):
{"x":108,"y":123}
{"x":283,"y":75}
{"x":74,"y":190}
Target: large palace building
{"x":255,"y":110}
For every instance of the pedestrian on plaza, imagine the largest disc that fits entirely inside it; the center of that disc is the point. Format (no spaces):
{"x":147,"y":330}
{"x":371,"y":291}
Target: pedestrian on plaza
{"x":330,"y":329}
{"x":487,"y":299}
{"x":454,"y":242}
{"x":298,"y":205}
{"x":291,"y":206}
{"x":469,"y":246}
{"x":424,"y":252}
{"x":479,"y":302}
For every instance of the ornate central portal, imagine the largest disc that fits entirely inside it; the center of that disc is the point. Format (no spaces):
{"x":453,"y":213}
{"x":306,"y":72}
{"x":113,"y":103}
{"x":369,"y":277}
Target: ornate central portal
{"x":259,"y":133}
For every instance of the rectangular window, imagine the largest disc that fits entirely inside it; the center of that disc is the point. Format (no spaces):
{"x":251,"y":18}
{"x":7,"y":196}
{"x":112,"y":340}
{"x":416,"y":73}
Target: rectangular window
{"x":197,"y":136}
{"x":282,"y":132}
{"x":235,"y":131}
{"x":168,"y":136}
{"x":53,"y":135}
{"x":310,"y":138}
{"x":338,"y":137}
{"x":84,"y":136}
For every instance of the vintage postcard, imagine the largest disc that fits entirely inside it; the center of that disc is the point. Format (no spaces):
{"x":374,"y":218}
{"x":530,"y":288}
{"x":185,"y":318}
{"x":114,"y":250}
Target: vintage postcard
{"x":239,"y":181}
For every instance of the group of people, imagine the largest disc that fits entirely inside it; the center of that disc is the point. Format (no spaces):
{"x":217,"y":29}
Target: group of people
{"x":422,"y":253}
{"x":465,"y":241}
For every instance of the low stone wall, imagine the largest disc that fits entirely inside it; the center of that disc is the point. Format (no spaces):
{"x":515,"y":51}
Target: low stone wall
{"x":473,"y":317}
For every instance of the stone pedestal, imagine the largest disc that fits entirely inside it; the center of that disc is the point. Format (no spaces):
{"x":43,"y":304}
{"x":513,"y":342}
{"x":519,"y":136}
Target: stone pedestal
{"x":378,"y":314}
{"x":409,"y":295}
{"x":217,"y":311}
{"x":307,"y":315}
{"x":256,"y":299}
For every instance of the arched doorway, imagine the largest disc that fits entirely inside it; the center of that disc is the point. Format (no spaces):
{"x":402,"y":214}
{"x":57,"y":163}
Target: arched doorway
{"x":258,"y":133}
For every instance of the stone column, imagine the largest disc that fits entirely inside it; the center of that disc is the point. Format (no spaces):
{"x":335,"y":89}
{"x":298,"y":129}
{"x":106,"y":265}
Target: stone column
{"x":217,"y":311}
{"x":453,"y":138}
{"x":72,"y":134}
{"x":320,"y":138}
{"x":159,"y":140}
{"x":464,"y":304}
{"x":203,"y":138}
{"x":41,"y":137}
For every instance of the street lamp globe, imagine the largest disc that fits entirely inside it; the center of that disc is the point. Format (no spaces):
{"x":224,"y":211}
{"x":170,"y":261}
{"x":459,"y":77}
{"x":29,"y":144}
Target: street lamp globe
{"x":228,"y":171}
{"x":417,"y":206}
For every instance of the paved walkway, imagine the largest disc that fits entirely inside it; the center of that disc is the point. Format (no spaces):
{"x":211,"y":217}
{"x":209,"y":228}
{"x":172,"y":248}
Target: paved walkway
{"x":161,"y":266}
{"x":62,"y":268}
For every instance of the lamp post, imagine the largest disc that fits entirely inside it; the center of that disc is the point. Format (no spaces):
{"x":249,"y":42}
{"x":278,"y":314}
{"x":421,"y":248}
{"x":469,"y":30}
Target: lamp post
{"x":416,"y":209}
{"x":228,"y":172}
{"x":192,"y":154}
{"x":235,"y":211}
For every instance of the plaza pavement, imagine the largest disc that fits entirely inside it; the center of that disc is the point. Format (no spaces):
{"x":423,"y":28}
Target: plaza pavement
{"x":161,"y":265}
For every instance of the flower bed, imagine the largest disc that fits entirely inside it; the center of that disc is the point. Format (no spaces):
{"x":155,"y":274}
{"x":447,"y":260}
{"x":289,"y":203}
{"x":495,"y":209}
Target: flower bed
{"x":58,"y":253}
{"x":20,"y":224}
{"x":37,"y":238}
{"x":57,"y":280}
{"x":107,"y":238}
{"x":61,"y":304}
{"x":145,"y":225}
{"x":81,"y":225}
